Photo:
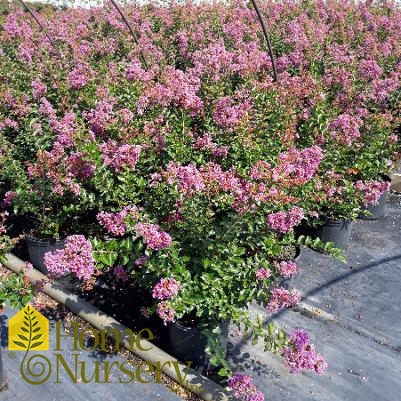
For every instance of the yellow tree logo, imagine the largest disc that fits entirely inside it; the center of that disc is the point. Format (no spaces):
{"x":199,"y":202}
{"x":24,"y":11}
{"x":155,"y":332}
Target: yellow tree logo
{"x":28,"y":330}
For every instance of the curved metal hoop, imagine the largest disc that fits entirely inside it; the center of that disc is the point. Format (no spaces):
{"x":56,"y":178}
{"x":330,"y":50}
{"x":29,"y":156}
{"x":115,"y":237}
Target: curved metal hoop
{"x":266,"y":34}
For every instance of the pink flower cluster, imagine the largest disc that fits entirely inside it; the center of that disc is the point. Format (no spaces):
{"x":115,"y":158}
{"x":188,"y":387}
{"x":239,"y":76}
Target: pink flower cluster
{"x":243,"y":388}
{"x":345,"y":128}
{"x":102,"y":116}
{"x":166,"y":288}
{"x":297,"y":167}
{"x":228,"y":114}
{"x":120,"y":273}
{"x":39,"y":89}
{"x":154,"y":238}
{"x":114,"y":223}
{"x":3,"y":218}
{"x":118,"y":156}
{"x":135,"y":72}
{"x":288,"y":268}
{"x":261,"y":170}
{"x":301,"y":354}
{"x":8,"y":198}
{"x":263,"y":273}
{"x":370,"y":69}
{"x":165,"y":312}
{"x":78,"y":167}
{"x":282,"y":298}
{"x":285,"y":221}
{"x":372,"y":190}
{"x":205,"y":142}
{"x":141,"y":260}
{"x":188,"y":177}
{"x":77,"y":78}
{"x":76,"y":257}
{"x":177,"y":88}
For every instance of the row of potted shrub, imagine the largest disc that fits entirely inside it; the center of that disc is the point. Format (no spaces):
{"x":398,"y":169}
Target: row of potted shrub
{"x":180,"y":164}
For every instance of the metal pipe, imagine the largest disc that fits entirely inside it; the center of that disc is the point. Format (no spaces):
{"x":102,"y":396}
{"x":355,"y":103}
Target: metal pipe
{"x":132,"y":32}
{"x":269,"y":46}
{"x":38,"y":22}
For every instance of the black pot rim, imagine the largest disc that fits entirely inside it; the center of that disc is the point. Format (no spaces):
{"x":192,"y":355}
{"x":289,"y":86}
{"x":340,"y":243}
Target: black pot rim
{"x":385,"y":177}
{"x":183,"y":327}
{"x":42,"y":241}
{"x":327,"y":219}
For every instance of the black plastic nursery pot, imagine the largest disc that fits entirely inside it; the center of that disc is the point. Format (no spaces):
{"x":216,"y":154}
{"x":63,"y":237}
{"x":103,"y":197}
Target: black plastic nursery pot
{"x":336,"y":231}
{"x":376,"y":211}
{"x":3,"y":376}
{"x":189,"y":344}
{"x":38,"y":247}
{"x":3,"y":379}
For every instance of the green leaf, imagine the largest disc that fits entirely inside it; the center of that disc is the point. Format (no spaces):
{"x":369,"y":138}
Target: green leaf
{"x":22,"y":337}
{"x":37,"y":337}
{"x":36,"y":344}
{"x":20,"y":344}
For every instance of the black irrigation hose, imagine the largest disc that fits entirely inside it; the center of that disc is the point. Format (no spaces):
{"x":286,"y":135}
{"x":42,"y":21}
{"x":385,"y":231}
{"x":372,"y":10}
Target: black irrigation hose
{"x":132,"y":32}
{"x":269,"y":46}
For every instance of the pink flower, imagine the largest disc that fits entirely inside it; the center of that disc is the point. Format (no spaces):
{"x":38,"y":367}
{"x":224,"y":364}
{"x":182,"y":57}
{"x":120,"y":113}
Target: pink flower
{"x":120,"y":273}
{"x":296,"y":166}
{"x":188,"y":177}
{"x":300,"y":355}
{"x":285,"y":221}
{"x":166,"y":288}
{"x":288,"y":268}
{"x":263,"y":273}
{"x":39,"y":89}
{"x":154,"y":237}
{"x":299,"y":338}
{"x":114,"y":223}
{"x":261,"y":170}
{"x":141,"y":260}
{"x":135,"y":72}
{"x":78,"y":167}
{"x":76,"y":257}
{"x":242,"y":387}
{"x":370,"y":69}
{"x":372,"y":190}
{"x":40,"y":284}
{"x":101,"y":117}
{"x":118,"y":156}
{"x":8,"y":198}
{"x":345,"y":128}
{"x":165,"y":312}
{"x":228,"y":114}
{"x":282,"y":298}
{"x":77,"y":78}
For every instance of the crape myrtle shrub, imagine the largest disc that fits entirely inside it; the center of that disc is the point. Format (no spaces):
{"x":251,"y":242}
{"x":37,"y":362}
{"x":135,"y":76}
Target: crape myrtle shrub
{"x":189,"y":176}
